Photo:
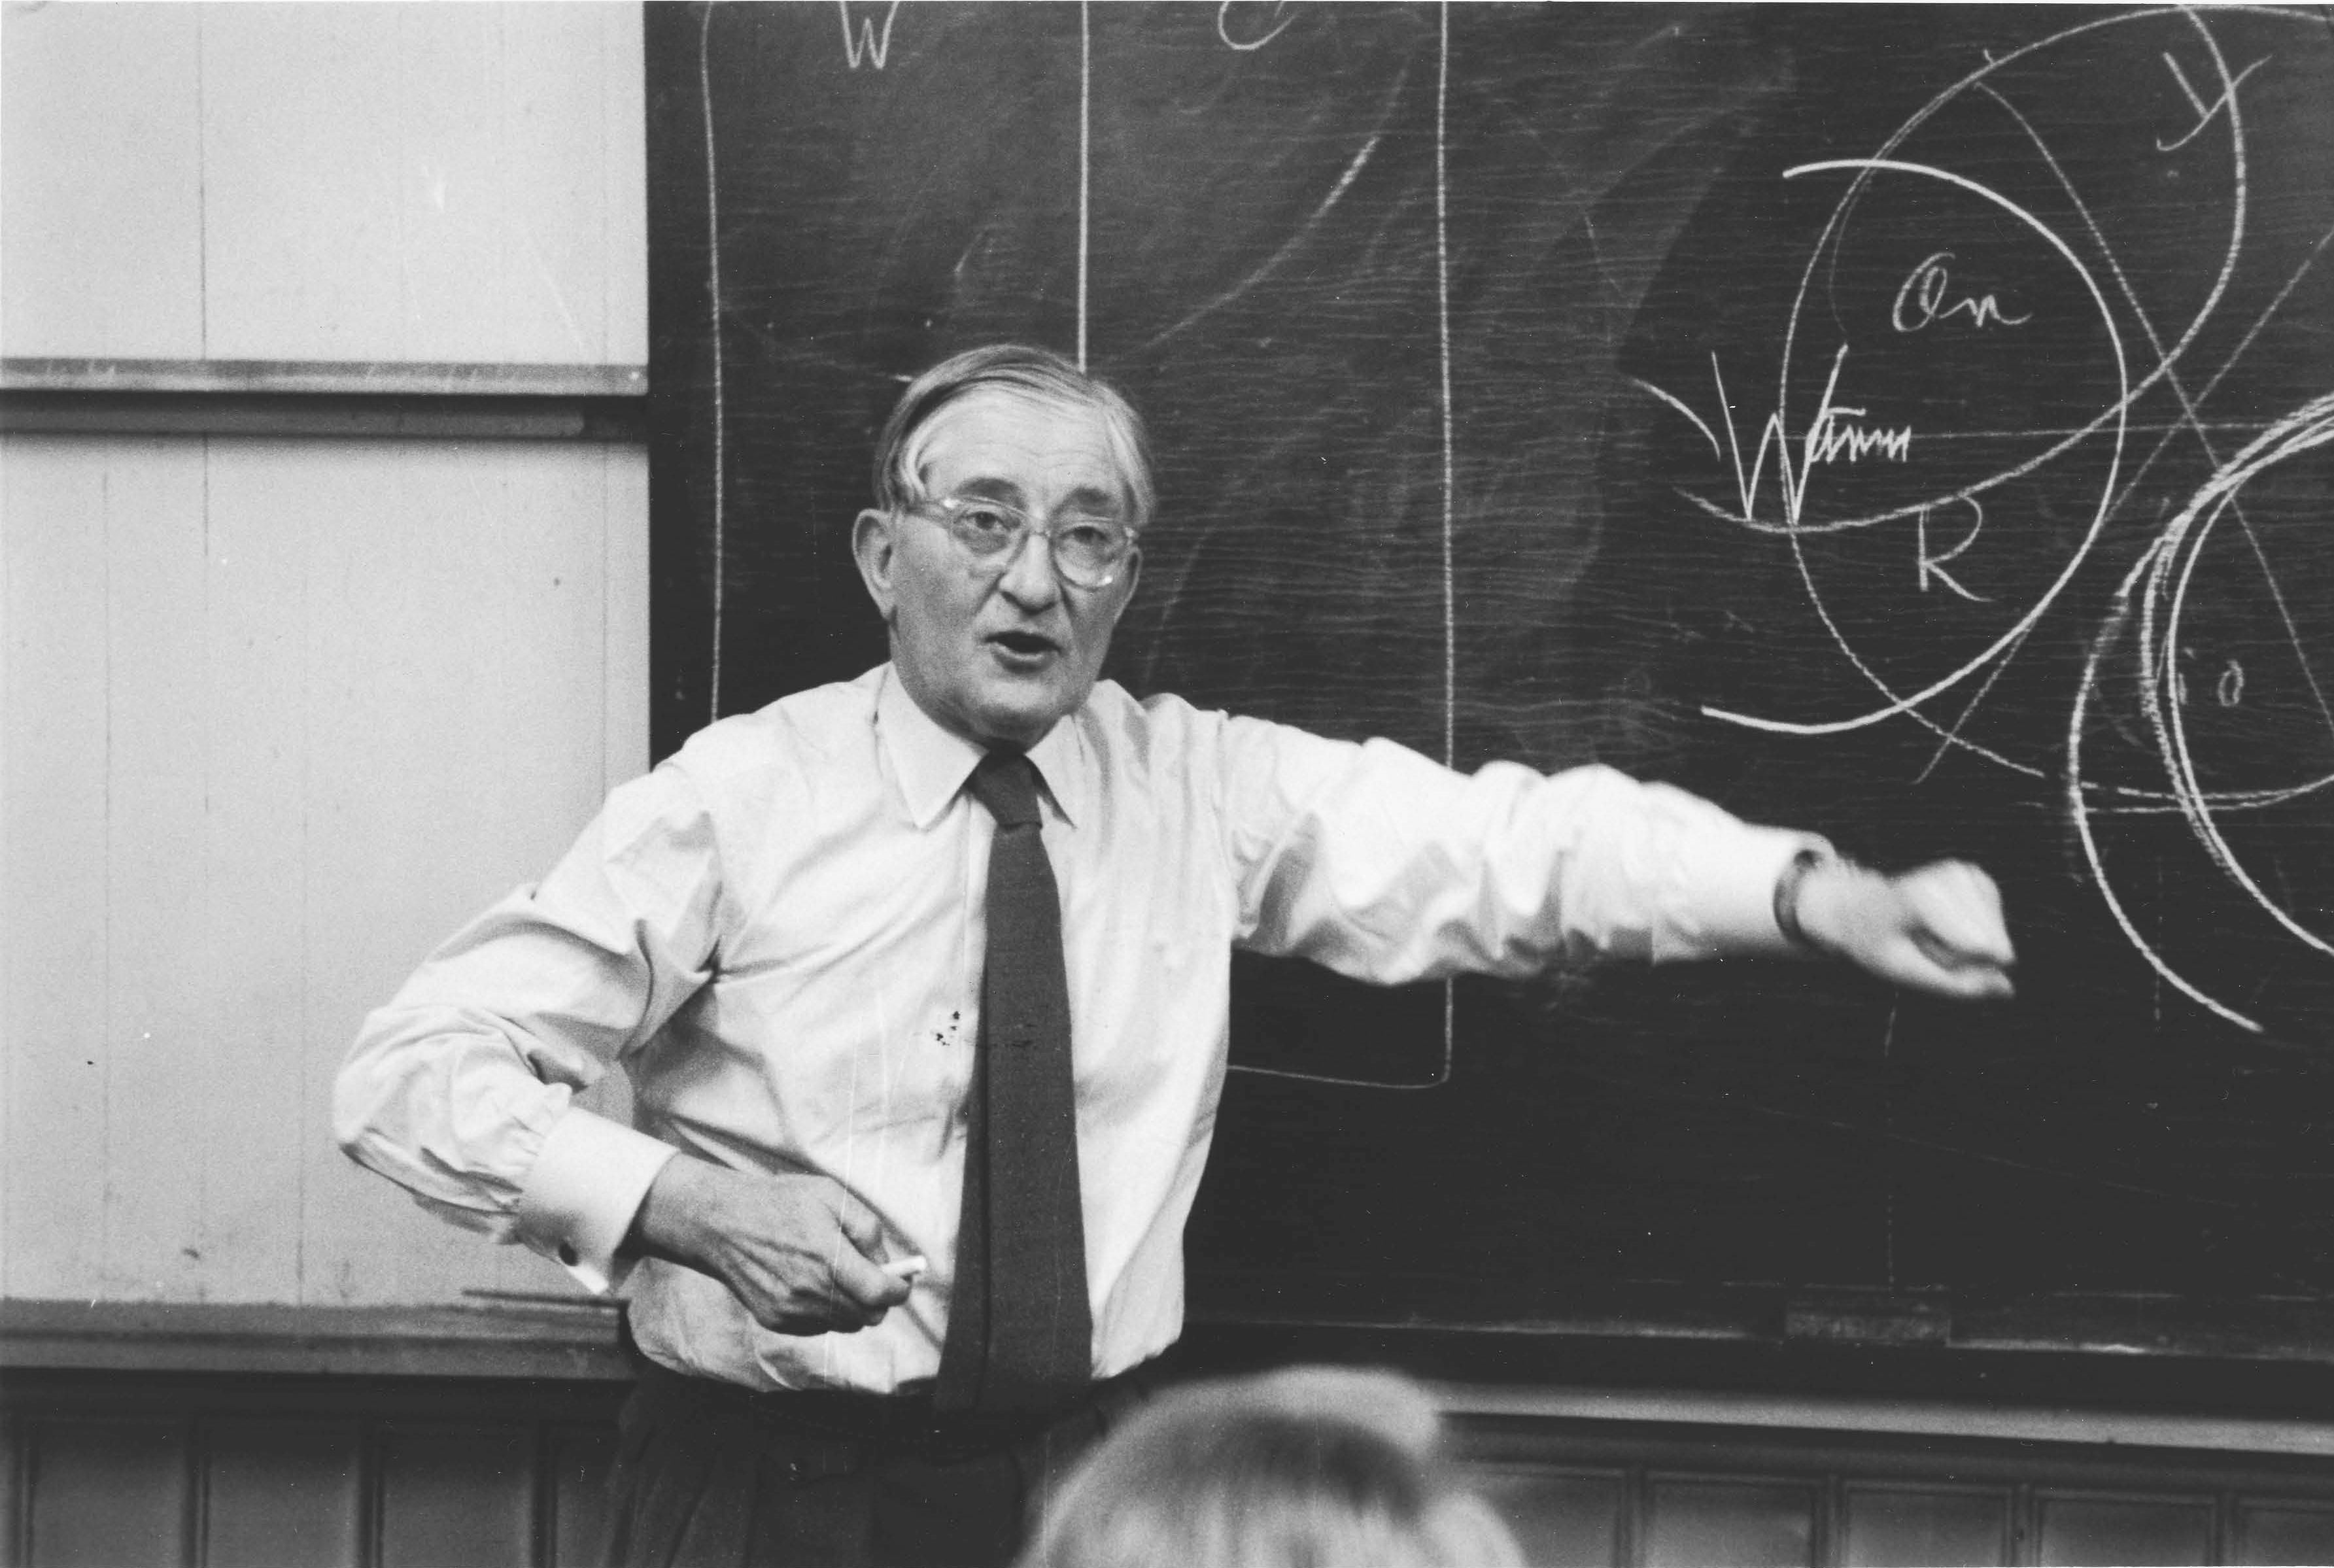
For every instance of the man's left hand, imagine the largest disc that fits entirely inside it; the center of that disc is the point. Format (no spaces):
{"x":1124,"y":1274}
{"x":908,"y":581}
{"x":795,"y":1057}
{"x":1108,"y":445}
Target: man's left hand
{"x":1937,"y":928}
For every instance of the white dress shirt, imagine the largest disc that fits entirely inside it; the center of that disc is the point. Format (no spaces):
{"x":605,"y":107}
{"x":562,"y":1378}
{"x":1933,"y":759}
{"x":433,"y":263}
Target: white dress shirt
{"x":778,"y":934}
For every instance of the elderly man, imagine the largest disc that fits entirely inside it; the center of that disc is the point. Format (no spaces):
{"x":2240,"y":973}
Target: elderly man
{"x":922,"y":984}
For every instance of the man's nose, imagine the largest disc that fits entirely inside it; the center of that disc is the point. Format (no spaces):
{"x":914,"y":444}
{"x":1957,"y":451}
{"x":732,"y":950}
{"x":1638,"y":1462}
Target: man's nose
{"x":1029,"y":575}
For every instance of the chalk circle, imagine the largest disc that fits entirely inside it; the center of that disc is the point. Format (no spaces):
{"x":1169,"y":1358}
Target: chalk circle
{"x":2164,"y":610}
{"x":2155,"y":597}
{"x":2098,"y":434}
{"x":1937,"y":547}
{"x":1954,"y":506}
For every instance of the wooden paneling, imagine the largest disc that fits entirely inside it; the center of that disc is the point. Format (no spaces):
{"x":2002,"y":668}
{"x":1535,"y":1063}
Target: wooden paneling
{"x":280,"y":715}
{"x":15,"y":1488}
{"x":253,"y":1469}
{"x":2128,"y":1530}
{"x":283,"y":1491}
{"x":260,"y":1472}
{"x":1888,"y":1526}
{"x":1632,"y":1495}
{"x":101,"y":180}
{"x":110,"y":1493}
{"x":579,"y":1459}
{"x":2284,"y":1535}
{"x":1747,"y":1524}
{"x":1571,"y":1520}
{"x":456,"y":1496}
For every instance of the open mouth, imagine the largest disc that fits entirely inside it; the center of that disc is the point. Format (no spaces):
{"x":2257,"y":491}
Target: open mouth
{"x":1025,"y":644}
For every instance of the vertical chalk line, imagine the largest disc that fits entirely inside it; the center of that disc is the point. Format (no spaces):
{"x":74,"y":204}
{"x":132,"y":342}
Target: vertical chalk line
{"x":1442,"y":331}
{"x":1442,"y":327}
{"x":720,"y":402}
{"x":1085,"y":159}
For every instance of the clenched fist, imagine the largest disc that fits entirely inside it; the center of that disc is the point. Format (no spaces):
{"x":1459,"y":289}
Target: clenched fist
{"x":1937,"y":928}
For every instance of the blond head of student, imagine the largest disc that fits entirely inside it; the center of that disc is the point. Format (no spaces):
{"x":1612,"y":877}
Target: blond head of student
{"x":1312,"y":1467}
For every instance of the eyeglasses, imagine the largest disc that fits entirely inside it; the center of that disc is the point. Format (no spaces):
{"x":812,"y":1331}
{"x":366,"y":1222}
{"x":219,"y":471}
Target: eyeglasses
{"x":1088,"y":550}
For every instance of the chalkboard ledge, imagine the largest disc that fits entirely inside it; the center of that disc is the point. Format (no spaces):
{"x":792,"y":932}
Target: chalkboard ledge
{"x":2281,"y":1329}
{"x":2214,"y":1370}
{"x":1891,"y":1417}
{"x":1536,"y":1373}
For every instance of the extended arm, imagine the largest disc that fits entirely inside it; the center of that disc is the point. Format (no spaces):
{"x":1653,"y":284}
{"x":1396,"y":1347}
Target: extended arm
{"x":1388,"y":867}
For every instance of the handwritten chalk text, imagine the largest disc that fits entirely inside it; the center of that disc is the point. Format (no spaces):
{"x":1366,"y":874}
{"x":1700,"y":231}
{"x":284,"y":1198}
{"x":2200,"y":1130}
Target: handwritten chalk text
{"x":1935,"y":565}
{"x":1925,"y":297}
{"x":867,"y":44}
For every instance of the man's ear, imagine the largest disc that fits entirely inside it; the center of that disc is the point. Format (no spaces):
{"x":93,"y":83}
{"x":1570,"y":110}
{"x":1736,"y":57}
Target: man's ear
{"x":875,"y":550}
{"x":1132,"y":575}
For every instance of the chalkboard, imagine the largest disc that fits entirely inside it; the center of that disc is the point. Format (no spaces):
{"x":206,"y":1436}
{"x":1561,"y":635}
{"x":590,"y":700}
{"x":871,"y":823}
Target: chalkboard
{"x":1907,"y":423}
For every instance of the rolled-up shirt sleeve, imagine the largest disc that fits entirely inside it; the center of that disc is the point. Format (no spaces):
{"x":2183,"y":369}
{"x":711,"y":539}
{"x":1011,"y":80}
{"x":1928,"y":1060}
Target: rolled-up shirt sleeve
{"x":1386,"y":866}
{"x":461,"y":1088}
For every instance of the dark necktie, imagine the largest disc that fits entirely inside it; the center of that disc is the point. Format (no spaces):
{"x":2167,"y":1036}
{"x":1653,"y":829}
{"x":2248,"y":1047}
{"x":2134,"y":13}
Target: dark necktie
{"x":1019,"y":1335}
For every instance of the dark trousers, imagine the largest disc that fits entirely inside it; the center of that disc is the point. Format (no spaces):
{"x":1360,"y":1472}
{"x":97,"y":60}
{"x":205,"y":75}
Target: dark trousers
{"x":712,"y":1476}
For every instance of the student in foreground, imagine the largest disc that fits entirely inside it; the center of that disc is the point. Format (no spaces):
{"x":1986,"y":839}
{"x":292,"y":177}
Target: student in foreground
{"x":1311,"y":1467}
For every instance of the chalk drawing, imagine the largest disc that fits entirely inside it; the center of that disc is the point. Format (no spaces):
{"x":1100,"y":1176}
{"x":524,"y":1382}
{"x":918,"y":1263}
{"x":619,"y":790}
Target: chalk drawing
{"x":1248,"y":45}
{"x":1790,"y":484}
{"x":720,"y":398}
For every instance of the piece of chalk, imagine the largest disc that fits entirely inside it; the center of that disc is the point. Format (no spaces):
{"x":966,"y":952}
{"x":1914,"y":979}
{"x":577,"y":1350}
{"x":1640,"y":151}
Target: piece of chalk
{"x":907,"y":1267}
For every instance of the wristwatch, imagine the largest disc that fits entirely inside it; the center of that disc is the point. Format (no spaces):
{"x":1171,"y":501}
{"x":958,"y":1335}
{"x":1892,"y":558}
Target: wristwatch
{"x":1787,"y":897}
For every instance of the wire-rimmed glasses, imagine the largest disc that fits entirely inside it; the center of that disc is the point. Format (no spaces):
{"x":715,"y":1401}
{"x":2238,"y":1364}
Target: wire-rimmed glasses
{"x":1087,"y":550}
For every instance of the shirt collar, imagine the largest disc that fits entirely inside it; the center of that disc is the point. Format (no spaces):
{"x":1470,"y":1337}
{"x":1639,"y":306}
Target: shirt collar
{"x":931,"y":763}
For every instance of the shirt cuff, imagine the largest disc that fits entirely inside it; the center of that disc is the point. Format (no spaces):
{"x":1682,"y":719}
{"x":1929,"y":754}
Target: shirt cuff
{"x":582,"y":1192}
{"x":1738,"y":901}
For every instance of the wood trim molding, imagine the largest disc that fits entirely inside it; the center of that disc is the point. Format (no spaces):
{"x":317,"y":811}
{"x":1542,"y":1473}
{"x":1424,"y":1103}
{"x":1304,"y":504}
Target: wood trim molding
{"x":351,"y":401}
{"x":495,"y":1338}
{"x":323,"y":376}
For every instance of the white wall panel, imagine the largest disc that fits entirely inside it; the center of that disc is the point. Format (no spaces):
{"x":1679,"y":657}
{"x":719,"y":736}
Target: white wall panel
{"x":157,"y":1047}
{"x":277,"y":715}
{"x":303,"y":180}
{"x":53,"y":863}
{"x":626,"y":584}
{"x":256,"y":835}
{"x":280,"y":715}
{"x":410,"y":181}
{"x":101,"y":181}
{"x":624,"y":253}
{"x":424,"y":182}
